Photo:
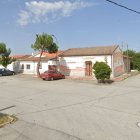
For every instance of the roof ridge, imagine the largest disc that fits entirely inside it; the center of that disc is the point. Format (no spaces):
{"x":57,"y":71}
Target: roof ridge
{"x":86,"y":51}
{"x":94,"y":47}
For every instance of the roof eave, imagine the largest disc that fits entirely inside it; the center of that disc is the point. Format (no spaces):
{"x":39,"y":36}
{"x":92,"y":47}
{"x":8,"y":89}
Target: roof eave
{"x":85,"y":55}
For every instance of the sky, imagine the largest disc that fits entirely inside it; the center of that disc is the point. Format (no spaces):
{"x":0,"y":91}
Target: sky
{"x":75,"y":23}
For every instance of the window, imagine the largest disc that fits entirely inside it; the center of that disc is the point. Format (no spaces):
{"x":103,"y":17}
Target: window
{"x":22,"y":66}
{"x":28,"y":66}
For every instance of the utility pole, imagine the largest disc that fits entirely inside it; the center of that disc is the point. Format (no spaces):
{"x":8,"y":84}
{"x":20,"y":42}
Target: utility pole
{"x":127,"y":60}
{"x":122,"y":46}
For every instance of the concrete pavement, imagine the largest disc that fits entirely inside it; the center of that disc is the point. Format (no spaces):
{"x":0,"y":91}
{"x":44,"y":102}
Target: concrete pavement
{"x":70,"y":110}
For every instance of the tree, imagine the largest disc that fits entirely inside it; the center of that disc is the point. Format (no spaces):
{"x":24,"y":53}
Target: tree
{"x":2,"y":48}
{"x":135,"y":63}
{"x":131,"y":53}
{"x":5,"y":58}
{"x":44,"y":42}
{"x":102,"y":71}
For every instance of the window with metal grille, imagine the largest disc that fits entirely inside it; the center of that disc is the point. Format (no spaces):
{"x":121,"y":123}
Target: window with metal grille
{"x":22,"y":66}
{"x":28,"y":66}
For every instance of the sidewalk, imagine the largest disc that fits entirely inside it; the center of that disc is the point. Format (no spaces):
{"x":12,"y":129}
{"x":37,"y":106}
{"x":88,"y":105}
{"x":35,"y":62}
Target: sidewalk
{"x":126,"y":75}
{"x":88,"y":78}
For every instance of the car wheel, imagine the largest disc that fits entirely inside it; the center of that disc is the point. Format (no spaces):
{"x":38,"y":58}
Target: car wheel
{"x":0,"y":74}
{"x":63,"y":77}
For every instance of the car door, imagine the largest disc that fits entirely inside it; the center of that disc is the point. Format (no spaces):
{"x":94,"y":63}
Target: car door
{"x":58,"y":75}
{"x":54,"y":75}
{"x":8,"y":72}
{"x":4,"y":73}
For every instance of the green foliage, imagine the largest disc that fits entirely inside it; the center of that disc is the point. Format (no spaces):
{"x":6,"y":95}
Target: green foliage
{"x":105,"y":59}
{"x":5,"y":59}
{"x":131,"y":53}
{"x":102,"y":71}
{"x":44,"y":42}
{"x":53,"y":48}
{"x":2,"y":48}
{"x":135,"y":63}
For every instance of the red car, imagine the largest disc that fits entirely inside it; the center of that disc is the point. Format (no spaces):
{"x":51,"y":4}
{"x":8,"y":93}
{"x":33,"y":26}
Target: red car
{"x":52,"y":75}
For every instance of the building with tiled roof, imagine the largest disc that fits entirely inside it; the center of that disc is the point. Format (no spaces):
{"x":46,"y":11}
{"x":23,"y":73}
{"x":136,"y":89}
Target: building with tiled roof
{"x":20,"y":56}
{"x":74,"y":62}
{"x":79,"y":62}
{"x":28,"y":65}
{"x":90,"y":51}
{"x":16,"y":64}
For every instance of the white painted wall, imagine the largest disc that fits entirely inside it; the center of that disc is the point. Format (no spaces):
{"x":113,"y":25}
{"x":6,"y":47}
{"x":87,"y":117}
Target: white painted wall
{"x":1,"y":66}
{"x":17,"y":66}
{"x":78,"y":62}
{"x":25,"y":70}
{"x":10,"y":66}
{"x":33,"y":66}
{"x":14,"y":66}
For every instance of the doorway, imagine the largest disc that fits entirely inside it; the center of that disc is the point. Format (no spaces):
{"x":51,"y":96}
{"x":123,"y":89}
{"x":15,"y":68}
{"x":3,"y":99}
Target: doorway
{"x":52,"y":67}
{"x":88,"y":70}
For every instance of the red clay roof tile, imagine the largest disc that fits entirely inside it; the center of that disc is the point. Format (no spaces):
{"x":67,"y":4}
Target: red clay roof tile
{"x":89,"y":51}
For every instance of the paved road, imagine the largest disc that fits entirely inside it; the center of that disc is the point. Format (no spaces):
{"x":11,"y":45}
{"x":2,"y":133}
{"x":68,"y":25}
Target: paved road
{"x":70,"y":110}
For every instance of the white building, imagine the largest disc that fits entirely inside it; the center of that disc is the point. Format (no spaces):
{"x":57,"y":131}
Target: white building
{"x":29,"y":65}
{"x":15,"y":66}
{"x":74,"y":62}
{"x":79,"y":62}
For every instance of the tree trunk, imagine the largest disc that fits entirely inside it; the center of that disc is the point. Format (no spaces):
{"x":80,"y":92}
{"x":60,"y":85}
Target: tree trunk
{"x":38,"y":65}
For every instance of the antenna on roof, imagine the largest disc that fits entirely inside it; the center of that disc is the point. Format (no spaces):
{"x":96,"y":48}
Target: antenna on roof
{"x":122,"y":46}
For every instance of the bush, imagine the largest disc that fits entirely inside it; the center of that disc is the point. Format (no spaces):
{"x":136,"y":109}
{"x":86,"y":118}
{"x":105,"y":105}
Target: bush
{"x":102,"y":71}
{"x":136,"y":61}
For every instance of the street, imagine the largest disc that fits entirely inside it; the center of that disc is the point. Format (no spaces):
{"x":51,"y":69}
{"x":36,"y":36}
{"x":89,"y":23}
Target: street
{"x":70,"y":109}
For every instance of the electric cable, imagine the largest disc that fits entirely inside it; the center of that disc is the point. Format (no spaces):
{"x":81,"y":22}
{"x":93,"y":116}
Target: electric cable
{"x":123,"y":6}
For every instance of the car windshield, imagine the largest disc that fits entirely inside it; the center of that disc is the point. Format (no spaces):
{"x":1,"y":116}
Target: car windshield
{"x":50,"y":71}
{"x":7,"y":69}
{"x":46,"y":72}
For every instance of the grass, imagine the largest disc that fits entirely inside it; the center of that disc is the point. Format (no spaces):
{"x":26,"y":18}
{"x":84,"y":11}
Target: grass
{"x":6,"y":119}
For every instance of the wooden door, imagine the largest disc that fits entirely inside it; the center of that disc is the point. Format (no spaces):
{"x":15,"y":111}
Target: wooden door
{"x":88,"y":70}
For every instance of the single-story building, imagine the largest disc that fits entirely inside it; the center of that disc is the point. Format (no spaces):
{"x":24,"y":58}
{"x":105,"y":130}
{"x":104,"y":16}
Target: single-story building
{"x":15,"y":66}
{"x":74,"y":62}
{"x":48,"y":61}
{"x":79,"y":62}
